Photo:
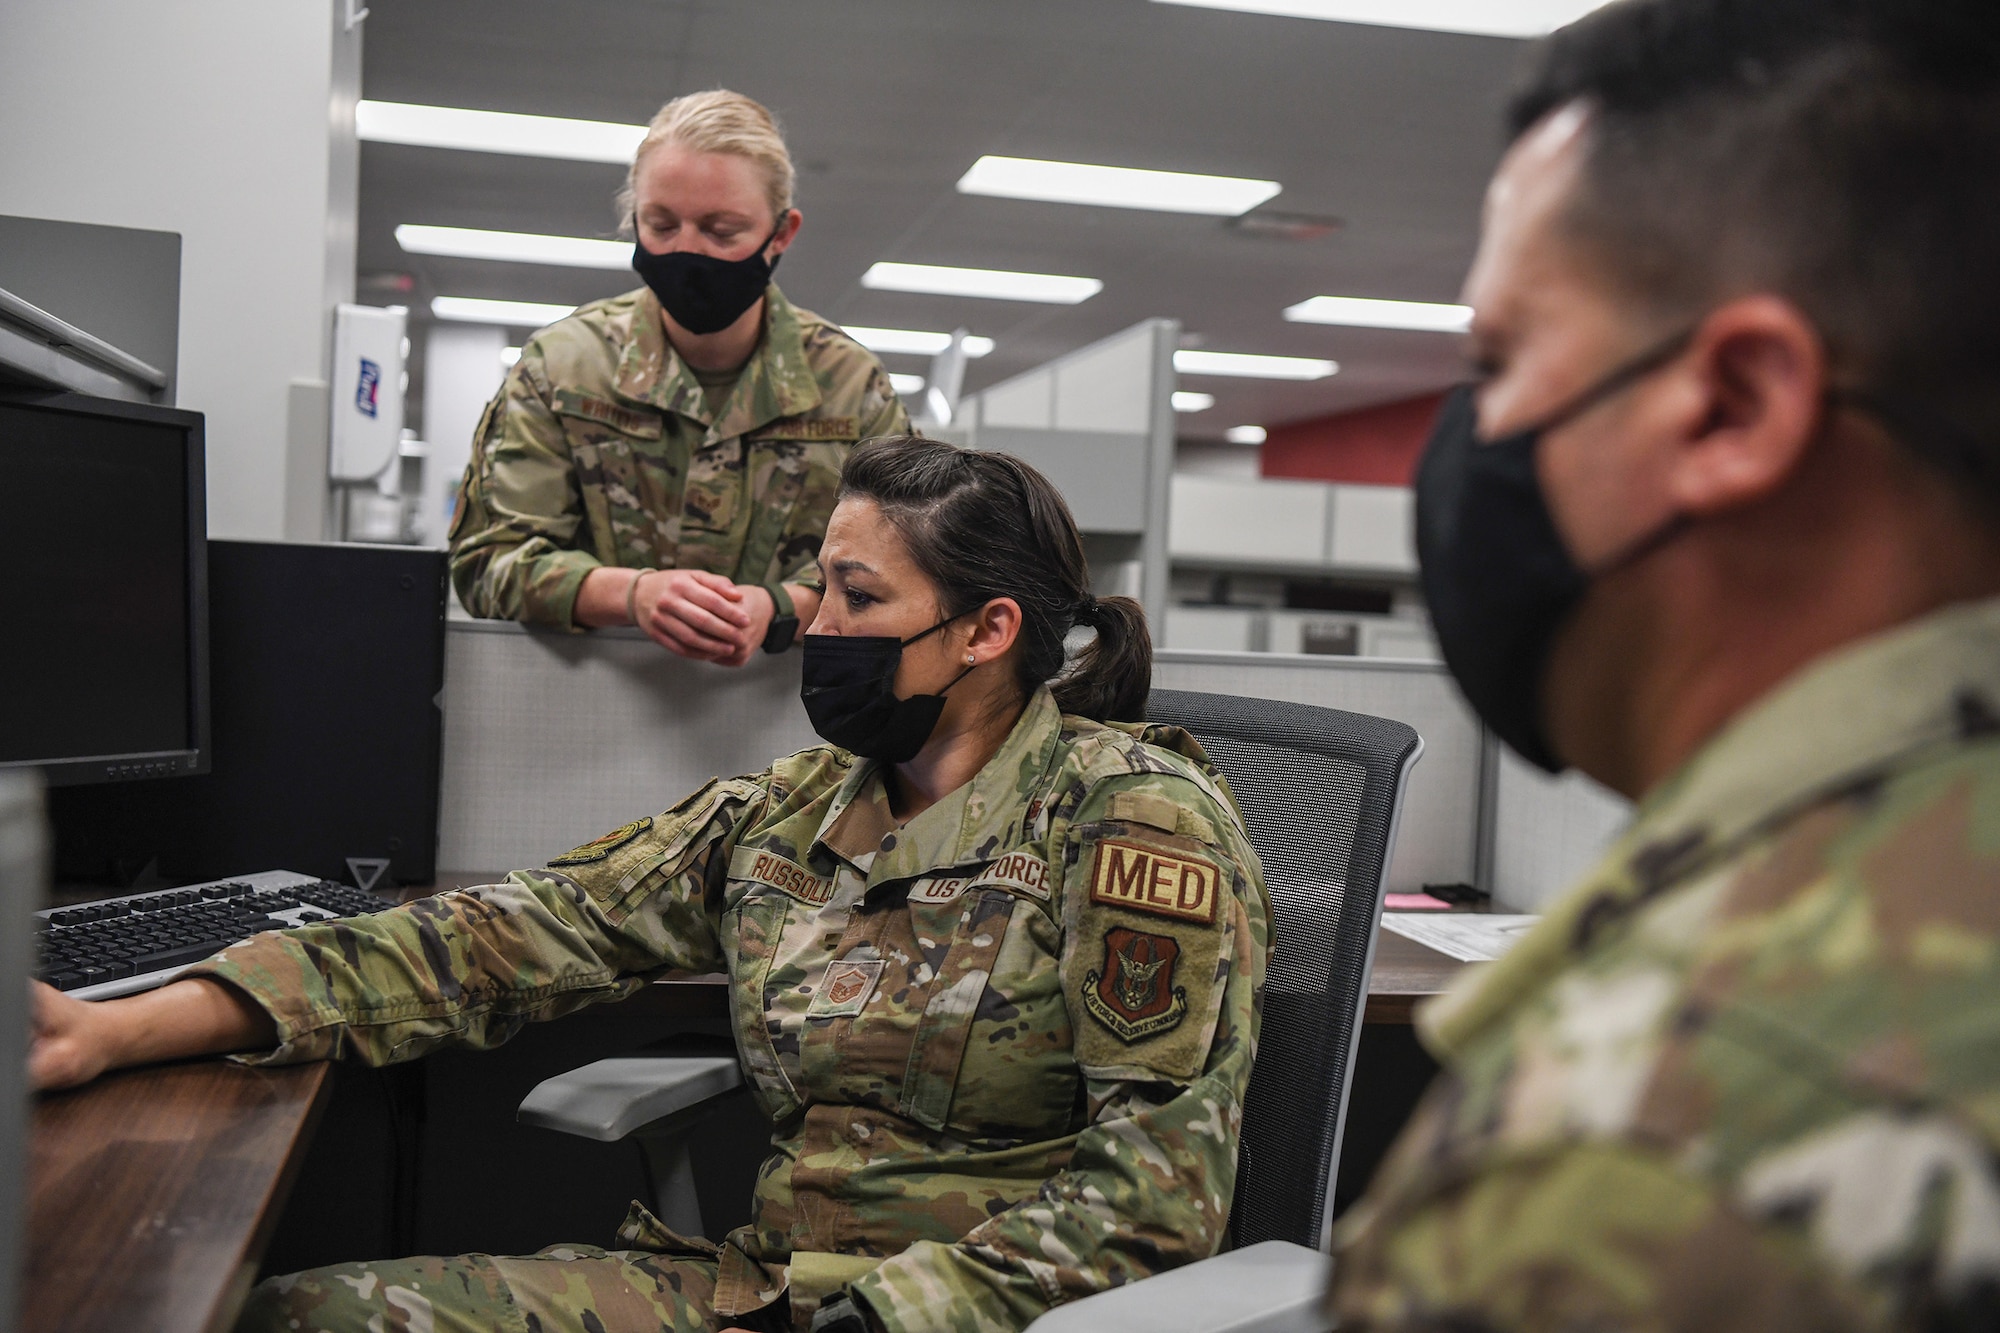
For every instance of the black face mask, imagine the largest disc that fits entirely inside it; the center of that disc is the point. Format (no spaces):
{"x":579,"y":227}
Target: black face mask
{"x":1498,"y":578}
{"x":848,"y":683}
{"x":702,"y":293}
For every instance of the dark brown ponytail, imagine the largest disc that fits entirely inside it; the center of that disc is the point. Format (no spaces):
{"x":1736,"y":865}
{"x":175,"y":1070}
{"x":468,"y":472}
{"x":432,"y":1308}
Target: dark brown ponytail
{"x":983,"y":525}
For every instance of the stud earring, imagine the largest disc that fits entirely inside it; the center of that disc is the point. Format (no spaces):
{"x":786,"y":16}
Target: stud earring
{"x":971,"y":659}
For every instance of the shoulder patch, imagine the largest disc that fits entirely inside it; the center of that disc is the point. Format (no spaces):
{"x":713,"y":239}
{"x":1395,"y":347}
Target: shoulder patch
{"x":1135,"y":995}
{"x":809,"y":428}
{"x":599,"y":848}
{"x":1156,"y":881}
{"x":760,"y":866}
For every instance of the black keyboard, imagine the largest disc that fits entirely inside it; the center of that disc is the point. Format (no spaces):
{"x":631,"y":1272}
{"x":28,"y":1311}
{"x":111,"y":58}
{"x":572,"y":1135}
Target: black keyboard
{"x":120,"y":945}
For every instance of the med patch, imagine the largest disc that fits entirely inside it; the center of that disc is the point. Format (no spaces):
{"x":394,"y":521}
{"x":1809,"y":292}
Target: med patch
{"x":1159,"y":881}
{"x":598,"y":848}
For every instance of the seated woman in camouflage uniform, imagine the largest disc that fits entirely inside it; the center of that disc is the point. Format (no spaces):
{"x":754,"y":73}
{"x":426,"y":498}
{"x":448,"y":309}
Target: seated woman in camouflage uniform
{"x":667,"y":458}
{"x":995,"y":963}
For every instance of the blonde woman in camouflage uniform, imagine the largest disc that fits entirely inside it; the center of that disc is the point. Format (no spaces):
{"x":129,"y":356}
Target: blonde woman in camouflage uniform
{"x":997,"y":986}
{"x":667,"y":458}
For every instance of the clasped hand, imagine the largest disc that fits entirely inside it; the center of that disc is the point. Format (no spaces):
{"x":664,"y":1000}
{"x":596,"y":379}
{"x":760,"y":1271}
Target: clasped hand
{"x":701,"y":615}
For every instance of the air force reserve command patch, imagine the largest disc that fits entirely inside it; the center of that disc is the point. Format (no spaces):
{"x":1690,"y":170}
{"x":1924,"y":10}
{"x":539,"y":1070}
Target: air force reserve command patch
{"x":1135,"y":995}
{"x":599,"y":848}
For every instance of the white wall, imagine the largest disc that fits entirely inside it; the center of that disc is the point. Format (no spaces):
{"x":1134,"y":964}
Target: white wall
{"x":216,"y":120}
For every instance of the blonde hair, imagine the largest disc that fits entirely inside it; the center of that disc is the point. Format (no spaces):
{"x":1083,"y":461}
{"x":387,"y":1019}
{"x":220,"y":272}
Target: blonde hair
{"x":717,"y":121}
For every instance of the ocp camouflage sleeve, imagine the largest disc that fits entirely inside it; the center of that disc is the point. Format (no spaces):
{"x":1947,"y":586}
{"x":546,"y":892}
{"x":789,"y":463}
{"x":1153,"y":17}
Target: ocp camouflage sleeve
{"x":1164,"y":991}
{"x":514,"y":548}
{"x":1746,"y":1076}
{"x":469,"y":968}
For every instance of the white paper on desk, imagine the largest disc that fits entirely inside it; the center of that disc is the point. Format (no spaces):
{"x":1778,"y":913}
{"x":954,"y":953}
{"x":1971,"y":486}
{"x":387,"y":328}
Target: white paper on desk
{"x":1470,"y":937}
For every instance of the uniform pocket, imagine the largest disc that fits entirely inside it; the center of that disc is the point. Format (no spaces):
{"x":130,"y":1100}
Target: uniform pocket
{"x":959,"y":941}
{"x":757,"y":925}
{"x":612,"y":452}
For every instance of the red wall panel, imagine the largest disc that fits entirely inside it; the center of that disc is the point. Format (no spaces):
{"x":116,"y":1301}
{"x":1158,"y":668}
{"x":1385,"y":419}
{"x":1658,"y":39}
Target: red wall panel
{"x":1377,"y":446}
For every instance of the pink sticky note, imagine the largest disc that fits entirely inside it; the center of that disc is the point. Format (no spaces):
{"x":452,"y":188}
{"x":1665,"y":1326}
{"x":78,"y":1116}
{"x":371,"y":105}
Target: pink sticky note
{"x":1413,"y":902}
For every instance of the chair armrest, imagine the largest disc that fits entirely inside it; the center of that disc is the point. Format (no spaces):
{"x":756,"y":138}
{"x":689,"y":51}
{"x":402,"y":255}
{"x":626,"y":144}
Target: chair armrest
{"x":611,"y":1098}
{"x":1274,"y":1287}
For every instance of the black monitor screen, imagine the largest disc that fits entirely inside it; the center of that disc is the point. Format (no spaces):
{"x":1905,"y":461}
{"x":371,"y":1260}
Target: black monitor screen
{"x":102,"y":598}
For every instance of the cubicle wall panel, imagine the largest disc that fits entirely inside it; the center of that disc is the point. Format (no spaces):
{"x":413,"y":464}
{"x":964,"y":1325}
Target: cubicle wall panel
{"x":1437,"y":841}
{"x":550,"y":739}
{"x":1100,"y":473}
{"x":1547,"y":832}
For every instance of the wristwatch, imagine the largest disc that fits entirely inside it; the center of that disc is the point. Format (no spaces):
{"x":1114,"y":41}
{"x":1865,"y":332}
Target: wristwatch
{"x":839,"y":1315}
{"x":785,"y":624}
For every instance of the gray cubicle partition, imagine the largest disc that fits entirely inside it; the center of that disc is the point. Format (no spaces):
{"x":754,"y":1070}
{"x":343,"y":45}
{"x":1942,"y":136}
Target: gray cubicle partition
{"x":1438,"y":841}
{"x":550,"y":739}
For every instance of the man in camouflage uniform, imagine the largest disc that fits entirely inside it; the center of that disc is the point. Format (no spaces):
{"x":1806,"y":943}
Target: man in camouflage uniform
{"x":1747,"y":1074}
{"x":1005,"y":1046}
{"x":602,"y":449}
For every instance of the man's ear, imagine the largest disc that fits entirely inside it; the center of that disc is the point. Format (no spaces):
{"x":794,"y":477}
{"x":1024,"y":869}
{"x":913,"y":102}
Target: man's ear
{"x":1762,"y":368}
{"x":995,"y":627}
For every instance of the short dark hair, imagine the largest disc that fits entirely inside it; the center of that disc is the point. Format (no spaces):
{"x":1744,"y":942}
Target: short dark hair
{"x":1843,"y":154}
{"x":982,"y":525}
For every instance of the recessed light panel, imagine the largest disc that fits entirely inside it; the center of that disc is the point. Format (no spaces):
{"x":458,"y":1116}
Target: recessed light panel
{"x":913,"y":342}
{"x":1489,"y":18}
{"x":986,"y":283}
{"x":1362,"y":313}
{"x":1193,"y":402}
{"x":1244,"y":435}
{"x":906,"y":384}
{"x":514,"y":247}
{"x":496,"y":132}
{"x":1189,"y":361}
{"x":1114,"y":187}
{"x":513,"y":314}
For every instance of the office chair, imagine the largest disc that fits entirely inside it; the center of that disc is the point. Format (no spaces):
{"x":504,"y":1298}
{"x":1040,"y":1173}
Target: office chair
{"x":1320,"y":791}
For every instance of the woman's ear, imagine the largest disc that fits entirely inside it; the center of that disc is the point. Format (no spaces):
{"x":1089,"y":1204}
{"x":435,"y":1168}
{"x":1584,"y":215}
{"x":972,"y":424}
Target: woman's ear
{"x":995,"y":627}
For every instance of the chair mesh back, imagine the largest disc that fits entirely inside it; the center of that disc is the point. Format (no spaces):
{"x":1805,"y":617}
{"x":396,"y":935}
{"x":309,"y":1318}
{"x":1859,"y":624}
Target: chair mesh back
{"x":1318,"y":789}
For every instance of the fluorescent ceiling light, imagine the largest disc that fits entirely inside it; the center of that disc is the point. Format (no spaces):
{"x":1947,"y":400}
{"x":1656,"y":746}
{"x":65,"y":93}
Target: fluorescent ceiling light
{"x":514,"y":247}
{"x":496,"y":132}
{"x":1193,"y":402}
{"x":906,"y":383}
{"x":991,"y":283}
{"x":514,"y":314}
{"x":1244,"y":435}
{"x":1490,"y":18}
{"x":1114,"y":187}
{"x":509,"y":355}
{"x":1361,"y":313}
{"x":1190,"y":362}
{"x":913,"y":341}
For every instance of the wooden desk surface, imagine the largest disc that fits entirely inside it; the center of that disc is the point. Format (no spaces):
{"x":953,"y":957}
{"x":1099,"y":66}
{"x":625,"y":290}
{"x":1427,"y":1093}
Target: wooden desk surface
{"x":153,"y":1192}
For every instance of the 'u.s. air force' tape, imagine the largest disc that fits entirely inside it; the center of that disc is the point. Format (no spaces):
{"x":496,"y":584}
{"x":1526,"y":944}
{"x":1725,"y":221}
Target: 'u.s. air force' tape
{"x":1018,"y":872}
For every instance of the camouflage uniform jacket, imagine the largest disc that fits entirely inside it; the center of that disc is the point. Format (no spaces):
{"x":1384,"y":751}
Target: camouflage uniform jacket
{"x":1746,"y":1076}
{"x":1005,"y":1045}
{"x":599,"y":450}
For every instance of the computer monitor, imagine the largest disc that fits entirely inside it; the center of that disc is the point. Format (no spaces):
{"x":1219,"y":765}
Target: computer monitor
{"x":104,"y":597}
{"x":328,"y":668}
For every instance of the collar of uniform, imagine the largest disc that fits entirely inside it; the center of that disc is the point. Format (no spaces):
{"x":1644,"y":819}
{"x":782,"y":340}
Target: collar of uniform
{"x":1854,"y":713}
{"x":776,"y":382}
{"x":977,"y":822}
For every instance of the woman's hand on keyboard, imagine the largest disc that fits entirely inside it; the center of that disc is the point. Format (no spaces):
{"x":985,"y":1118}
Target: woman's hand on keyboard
{"x":76,"y":1040}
